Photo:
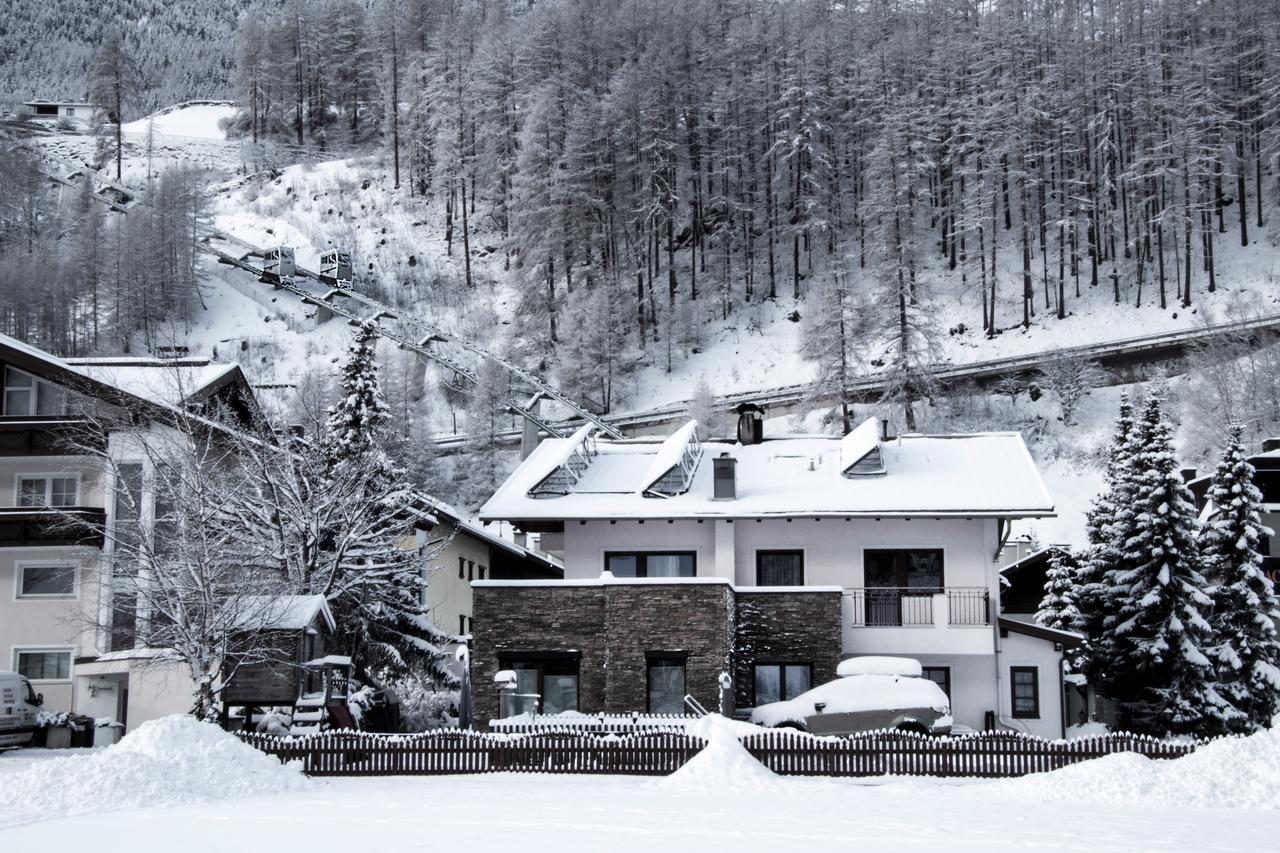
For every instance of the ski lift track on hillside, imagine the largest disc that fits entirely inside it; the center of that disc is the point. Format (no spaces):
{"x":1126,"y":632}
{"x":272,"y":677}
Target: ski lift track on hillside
{"x":1112,"y":355}
{"x":329,"y":300}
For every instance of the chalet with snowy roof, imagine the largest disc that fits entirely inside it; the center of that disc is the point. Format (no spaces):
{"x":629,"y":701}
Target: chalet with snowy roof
{"x":78,"y":113}
{"x":771,"y":558}
{"x":58,"y":579}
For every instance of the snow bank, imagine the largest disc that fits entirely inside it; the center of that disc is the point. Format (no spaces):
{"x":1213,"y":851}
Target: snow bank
{"x":1237,"y":772}
{"x":171,"y":761}
{"x":723,"y":764}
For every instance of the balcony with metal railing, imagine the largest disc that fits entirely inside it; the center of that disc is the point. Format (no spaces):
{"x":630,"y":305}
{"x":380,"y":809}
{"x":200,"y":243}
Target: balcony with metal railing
{"x":928,"y":620}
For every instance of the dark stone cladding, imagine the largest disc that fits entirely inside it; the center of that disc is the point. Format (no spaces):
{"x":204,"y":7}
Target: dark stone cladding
{"x":612,"y":628}
{"x":785,"y":627}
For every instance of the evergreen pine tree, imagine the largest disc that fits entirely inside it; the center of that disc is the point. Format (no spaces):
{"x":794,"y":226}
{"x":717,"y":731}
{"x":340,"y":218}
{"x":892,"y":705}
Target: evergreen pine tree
{"x":1245,"y":607}
{"x":1157,"y":637}
{"x":380,"y":601}
{"x":1058,"y":608}
{"x":361,"y":411}
{"x":1105,"y":549}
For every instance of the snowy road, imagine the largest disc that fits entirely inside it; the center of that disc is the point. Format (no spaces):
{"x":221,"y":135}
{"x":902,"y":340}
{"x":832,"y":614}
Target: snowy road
{"x":563,"y":813}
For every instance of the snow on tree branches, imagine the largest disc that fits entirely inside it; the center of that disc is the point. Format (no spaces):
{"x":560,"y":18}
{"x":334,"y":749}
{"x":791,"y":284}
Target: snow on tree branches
{"x":1245,"y":607}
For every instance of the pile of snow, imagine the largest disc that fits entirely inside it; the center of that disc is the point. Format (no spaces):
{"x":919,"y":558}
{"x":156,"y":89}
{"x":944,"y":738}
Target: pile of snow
{"x":724,"y":763}
{"x":879,"y":665}
{"x":1235,"y":772}
{"x":171,"y":761}
{"x":1090,"y":729}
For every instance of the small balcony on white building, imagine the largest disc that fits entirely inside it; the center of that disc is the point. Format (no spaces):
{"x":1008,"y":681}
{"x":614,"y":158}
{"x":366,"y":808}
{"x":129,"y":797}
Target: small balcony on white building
{"x":917,"y":620}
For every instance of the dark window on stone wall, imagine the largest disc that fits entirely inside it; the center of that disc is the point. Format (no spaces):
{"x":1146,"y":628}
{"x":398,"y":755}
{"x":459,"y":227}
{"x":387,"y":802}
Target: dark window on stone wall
{"x":775,"y":682}
{"x":651,"y":564}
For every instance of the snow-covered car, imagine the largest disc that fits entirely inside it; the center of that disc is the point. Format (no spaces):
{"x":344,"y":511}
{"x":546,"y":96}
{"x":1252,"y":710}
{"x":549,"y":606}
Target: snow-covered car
{"x":870,"y":693}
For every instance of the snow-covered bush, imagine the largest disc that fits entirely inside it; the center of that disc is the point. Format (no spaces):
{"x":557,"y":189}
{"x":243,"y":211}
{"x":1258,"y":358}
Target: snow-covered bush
{"x":423,"y":705}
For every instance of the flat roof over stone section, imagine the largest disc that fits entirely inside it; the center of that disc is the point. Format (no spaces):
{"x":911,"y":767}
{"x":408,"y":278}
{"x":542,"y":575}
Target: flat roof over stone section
{"x":971,"y":475}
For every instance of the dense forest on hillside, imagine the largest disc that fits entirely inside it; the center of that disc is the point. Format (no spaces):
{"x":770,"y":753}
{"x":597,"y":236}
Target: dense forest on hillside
{"x":181,"y":48}
{"x":652,"y":164}
{"x":640,"y":169}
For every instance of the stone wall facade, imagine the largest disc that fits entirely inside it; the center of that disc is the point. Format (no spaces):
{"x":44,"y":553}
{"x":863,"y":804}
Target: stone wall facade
{"x":785,"y":627}
{"x":612,"y":629}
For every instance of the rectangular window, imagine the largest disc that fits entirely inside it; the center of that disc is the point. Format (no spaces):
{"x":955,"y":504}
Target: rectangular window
{"x":651,"y":564}
{"x":775,"y":682}
{"x":482,"y":570}
{"x":553,"y":680}
{"x":471,"y":570}
{"x":666,"y":685}
{"x":900,"y":584}
{"x":462,"y":567}
{"x":939,"y":675}
{"x":46,"y":580}
{"x":25,"y":395}
{"x":1025,"y":683}
{"x":779,"y":568}
{"x":43,"y":664}
{"x":47,"y":491}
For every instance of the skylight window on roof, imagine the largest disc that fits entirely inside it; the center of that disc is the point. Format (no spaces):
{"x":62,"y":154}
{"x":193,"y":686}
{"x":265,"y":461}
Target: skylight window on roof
{"x":675,"y":464}
{"x":579,"y":450}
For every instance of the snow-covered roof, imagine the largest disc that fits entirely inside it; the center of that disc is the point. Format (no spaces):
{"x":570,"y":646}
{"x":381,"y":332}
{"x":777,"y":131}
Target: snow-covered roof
{"x":980,"y":474}
{"x":1040,"y":632}
{"x":169,"y":381}
{"x":285,"y":612}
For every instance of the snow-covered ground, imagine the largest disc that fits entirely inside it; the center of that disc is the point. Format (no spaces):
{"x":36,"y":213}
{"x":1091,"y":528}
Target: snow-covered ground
{"x":190,"y":121}
{"x":188,"y":795}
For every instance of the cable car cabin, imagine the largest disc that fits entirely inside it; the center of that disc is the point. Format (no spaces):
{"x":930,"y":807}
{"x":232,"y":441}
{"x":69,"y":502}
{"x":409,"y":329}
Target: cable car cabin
{"x":279,"y":264}
{"x":335,"y":268}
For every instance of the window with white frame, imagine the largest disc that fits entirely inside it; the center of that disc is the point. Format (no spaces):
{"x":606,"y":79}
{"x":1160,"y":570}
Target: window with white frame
{"x":43,"y":664}
{"x":48,"y":490}
{"x":47,"y":580}
{"x":25,"y":395}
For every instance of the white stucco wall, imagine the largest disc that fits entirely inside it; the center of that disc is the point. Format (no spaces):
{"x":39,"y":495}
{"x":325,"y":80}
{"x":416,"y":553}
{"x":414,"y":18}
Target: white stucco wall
{"x":48,"y":623}
{"x":833,"y":547}
{"x":1021,"y":650}
{"x":448,"y":591}
{"x":973,"y":685}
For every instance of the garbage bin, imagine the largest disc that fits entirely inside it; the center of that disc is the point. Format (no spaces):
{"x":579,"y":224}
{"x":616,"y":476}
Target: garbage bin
{"x":108,"y":733}
{"x":58,"y":737}
{"x":82,"y":732}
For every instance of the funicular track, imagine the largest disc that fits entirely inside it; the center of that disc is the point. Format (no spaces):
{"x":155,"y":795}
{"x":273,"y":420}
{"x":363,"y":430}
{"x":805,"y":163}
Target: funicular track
{"x":409,"y":332}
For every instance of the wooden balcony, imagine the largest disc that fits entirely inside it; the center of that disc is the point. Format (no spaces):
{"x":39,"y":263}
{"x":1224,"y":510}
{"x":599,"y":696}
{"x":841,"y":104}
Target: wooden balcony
{"x":47,"y":436}
{"x":24,"y":527}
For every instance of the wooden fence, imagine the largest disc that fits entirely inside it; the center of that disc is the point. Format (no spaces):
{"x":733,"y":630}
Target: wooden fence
{"x":657,"y":753}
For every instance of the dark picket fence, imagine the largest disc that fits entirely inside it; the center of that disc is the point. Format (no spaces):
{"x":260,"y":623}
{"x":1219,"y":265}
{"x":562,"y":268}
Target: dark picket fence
{"x":345,"y":753}
{"x":657,"y":753}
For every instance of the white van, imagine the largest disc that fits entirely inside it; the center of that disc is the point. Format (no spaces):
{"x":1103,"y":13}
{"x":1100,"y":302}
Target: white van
{"x":18,"y":706}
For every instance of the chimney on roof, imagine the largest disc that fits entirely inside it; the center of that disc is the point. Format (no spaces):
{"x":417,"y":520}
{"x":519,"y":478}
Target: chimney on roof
{"x":724,"y":477}
{"x":750,"y":423}
{"x":1270,"y":444}
{"x":1188,"y":474}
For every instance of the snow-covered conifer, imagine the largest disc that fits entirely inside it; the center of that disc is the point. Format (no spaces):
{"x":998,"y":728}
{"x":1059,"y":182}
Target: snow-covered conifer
{"x":1106,"y":536}
{"x":1245,"y":607}
{"x":1157,"y":636}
